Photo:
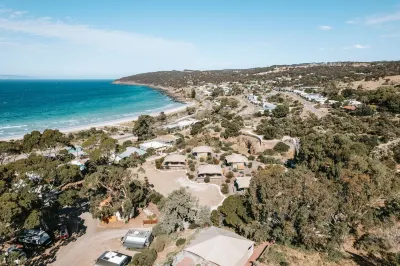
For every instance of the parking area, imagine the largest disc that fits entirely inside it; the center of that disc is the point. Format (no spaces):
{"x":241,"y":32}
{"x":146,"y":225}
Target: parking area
{"x":167,"y":181}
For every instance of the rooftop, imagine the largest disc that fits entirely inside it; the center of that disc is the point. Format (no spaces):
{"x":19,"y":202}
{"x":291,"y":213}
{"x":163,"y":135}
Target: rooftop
{"x":222,"y":247}
{"x":175,"y":158}
{"x":202,"y":149}
{"x":113,"y":257}
{"x":236,"y":158}
{"x":209,"y":169}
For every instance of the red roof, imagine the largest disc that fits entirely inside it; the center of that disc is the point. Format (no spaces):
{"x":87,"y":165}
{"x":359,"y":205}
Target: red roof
{"x":349,"y":107}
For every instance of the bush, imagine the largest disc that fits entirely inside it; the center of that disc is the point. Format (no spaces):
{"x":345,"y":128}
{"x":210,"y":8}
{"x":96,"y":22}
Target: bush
{"x":250,"y":165}
{"x":159,"y":243}
{"x":193,"y":226}
{"x":207,"y":179}
{"x":190,"y":176}
{"x":155,"y":197}
{"x":157,"y":230}
{"x":281,"y":147}
{"x":145,"y":258}
{"x":192,"y":167}
{"x":180,"y":242}
{"x":251,"y":157}
{"x":224,"y":189}
{"x":202,"y":160}
{"x":159,"y":163}
{"x":215,"y":217}
{"x":229,"y":175}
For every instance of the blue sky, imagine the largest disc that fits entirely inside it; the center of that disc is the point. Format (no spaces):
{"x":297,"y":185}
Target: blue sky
{"x":110,"y":39}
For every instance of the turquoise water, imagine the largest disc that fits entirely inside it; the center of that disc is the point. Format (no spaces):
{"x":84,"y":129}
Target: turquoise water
{"x":27,"y":105}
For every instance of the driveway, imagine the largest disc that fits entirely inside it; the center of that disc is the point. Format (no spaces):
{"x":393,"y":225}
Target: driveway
{"x":165,"y":182}
{"x":87,"y":248}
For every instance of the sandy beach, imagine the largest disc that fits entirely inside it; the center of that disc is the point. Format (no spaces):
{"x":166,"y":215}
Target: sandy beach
{"x":109,"y":123}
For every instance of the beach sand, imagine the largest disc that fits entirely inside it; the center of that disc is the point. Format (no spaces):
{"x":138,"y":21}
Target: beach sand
{"x":109,"y":123}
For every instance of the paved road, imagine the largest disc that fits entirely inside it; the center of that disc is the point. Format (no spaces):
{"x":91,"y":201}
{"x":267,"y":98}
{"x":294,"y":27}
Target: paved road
{"x":87,"y":248}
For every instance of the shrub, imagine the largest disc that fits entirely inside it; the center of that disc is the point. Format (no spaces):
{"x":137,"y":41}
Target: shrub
{"x":202,"y":160}
{"x":192,"y":167}
{"x":229,"y":175}
{"x":281,"y":147}
{"x":159,"y":163}
{"x":145,"y":258}
{"x":207,"y":179}
{"x":159,"y":243}
{"x":269,"y":152}
{"x":155,"y":197}
{"x":157,"y":230}
{"x":250,"y":165}
{"x":251,"y":157}
{"x":227,"y":180}
{"x":190,"y":176}
{"x":193,"y":226}
{"x":224,"y":189}
{"x":180,"y":242}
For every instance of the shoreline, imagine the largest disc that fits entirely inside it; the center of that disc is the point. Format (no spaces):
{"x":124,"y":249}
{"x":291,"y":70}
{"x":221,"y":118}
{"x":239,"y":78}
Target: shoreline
{"x":169,"y":91}
{"x":110,"y":123}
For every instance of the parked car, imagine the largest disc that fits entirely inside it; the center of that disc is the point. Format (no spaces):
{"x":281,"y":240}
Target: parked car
{"x":64,"y":234}
{"x":34,"y":237}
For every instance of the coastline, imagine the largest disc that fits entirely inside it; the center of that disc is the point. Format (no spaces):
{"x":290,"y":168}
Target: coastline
{"x":169,"y":91}
{"x":110,"y":123}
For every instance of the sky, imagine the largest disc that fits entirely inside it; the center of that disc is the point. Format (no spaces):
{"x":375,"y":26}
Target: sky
{"x":111,"y":39}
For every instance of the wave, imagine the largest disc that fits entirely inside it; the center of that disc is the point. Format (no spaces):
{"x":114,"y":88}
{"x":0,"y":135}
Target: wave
{"x":9,"y":127}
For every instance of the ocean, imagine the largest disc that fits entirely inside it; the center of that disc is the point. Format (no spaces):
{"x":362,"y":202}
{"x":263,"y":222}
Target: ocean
{"x":27,"y":105}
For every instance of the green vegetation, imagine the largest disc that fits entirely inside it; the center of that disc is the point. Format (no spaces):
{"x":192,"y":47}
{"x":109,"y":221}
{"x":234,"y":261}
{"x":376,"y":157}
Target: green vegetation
{"x":281,"y":147}
{"x":144,"y":127}
{"x":180,"y":242}
{"x":145,"y":258}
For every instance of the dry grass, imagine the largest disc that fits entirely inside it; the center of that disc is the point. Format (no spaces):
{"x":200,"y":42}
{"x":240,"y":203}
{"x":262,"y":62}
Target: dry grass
{"x":372,"y":85}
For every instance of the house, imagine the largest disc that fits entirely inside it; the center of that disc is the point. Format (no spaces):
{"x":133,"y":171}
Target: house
{"x":209,"y":170}
{"x":169,"y":140}
{"x":182,"y":124}
{"x":136,"y":238}
{"x":353,"y":102}
{"x":80,"y":163}
{"x":77,"y":151}
{"x":217,"y":247}
{"x":111,"y":258}
{"x":237,"y":161}
{"x":242,"y":183}
{"x":202,"y":151}
{"x":268,"y":106}
{"x":175,"y":161}
{"x":127,"y":153}
{"x":158,"y":146}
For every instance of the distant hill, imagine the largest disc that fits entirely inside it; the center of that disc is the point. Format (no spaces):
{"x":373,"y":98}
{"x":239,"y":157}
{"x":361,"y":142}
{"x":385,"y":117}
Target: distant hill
{"x":311,"y":74}
{"x":14,"y":77}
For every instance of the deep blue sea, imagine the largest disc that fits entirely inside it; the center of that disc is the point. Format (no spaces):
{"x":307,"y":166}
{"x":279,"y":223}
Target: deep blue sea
{"x":27,"y":105}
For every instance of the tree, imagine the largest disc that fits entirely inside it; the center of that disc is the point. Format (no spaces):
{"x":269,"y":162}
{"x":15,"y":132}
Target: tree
{"x":144,"y":127}
{"x":281,"y":147}
{"x":280,"y":111}
{"x":179,"y":207}
{"x":193,"y":94}
{"x":112,"y":189}
{"x":145,"y":258}
{"x":162,"y":117}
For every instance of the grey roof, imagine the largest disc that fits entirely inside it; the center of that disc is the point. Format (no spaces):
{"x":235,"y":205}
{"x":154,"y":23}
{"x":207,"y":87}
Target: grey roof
{"x":175,"y":158}
{"x":209,"y":169}
{"x":236,"y":158}
{"x":221,"y":247}
{"x":243,"y":182}
{"x":131,"y":150}
{"x":202,"y":149}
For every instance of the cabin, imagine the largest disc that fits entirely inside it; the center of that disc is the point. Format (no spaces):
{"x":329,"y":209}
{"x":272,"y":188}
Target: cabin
{"x":136,"y":238}
{"x":236,"y":161}
{"x":158,"y":146}
{"x":242,"y":183}
{"x":217,"y":247}
{"x":112,"y":258}
{"x":128,"y":152}
{"x":202,"y":152}
{"x":174,"y":161}
{"x":209,"y":170}
{"x":168,"y":140}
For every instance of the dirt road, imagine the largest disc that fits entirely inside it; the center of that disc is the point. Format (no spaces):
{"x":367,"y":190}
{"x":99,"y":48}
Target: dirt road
{"x":87,"y":248}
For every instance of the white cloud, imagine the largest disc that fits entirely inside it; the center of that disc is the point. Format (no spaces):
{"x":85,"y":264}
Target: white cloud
{"x":373,"y":20}
{"x":359,"y":46}
{"x":392,"y":35}
{"x":351,"y":22}
{"x":103,"y":39}
{"x":325,"y":27}
{"x":356,"y":46}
